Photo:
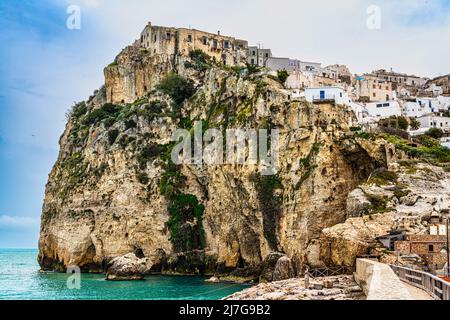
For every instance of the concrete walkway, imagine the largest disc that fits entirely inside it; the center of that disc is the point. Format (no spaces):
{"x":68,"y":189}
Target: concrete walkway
{"x":416,"y":293}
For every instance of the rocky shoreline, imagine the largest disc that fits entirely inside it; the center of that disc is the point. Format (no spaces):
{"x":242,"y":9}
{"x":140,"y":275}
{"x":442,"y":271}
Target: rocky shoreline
{"x":326,"y":288}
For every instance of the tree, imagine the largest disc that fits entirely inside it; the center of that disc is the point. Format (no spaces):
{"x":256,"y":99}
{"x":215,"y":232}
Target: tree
{"x":283,"y":75}
{"x":435,"y":133}
{"x":402,"y":123}
{"x":177,"y":87}
{"x":414,"y":124}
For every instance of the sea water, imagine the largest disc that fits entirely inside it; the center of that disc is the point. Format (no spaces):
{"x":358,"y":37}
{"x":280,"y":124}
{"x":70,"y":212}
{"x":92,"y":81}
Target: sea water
{"x":20,"y":279}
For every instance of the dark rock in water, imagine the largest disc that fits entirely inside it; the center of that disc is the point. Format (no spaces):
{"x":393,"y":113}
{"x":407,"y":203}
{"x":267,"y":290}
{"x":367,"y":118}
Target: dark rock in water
{"x":159,"y":261}
{"x":192,"y":262}
{"x":269,"y":266}
{"x":283,"y":269}
{"x":127,"y":267}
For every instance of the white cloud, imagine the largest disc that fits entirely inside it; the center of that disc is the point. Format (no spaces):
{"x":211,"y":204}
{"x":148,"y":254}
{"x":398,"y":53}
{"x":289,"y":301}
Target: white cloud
{"x":10,"y":223}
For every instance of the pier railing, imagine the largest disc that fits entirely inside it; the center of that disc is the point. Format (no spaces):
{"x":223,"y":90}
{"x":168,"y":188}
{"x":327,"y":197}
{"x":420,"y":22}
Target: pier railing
{"x":436,"y":287}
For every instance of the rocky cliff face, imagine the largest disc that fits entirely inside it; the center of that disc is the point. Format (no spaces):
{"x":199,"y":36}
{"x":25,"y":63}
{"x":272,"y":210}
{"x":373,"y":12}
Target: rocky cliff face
{"x":114,"y":189}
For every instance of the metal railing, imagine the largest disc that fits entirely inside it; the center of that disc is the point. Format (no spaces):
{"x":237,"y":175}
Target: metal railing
{"x":330,"y":272}
{"x":436,"y":287}
{"x":324,"y":98}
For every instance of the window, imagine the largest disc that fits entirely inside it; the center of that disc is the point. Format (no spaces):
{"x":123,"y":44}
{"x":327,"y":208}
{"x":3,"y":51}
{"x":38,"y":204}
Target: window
{"x":380,"y":105}
{"x":168,"y":36}
{"x":267,"y":55}
{"x":154,"y":38}
{"x":205,"y":41}
{"x":226,"y":44}
{"x":374,"y":86}
{"x":431,"y":248}
{"x":253,"y":53}
{"x":215,"y":44}
{"x":189,"y":38}
{"x":374,"y":94}
{"x":253,"y":61}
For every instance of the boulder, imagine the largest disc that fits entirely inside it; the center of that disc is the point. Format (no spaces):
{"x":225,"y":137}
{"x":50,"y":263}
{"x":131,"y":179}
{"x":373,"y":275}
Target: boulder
{"x":127,"y":267}
{"x":269,"y":265}
{"x":357,"y":203}
{"x":283,"y":269}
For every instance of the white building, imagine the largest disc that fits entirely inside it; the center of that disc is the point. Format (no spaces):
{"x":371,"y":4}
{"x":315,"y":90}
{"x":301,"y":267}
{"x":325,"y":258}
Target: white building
{"x":445,"y":141}
{"x":340,"y":97}
{"x":360,"y":112}
{"x":291,"y":65}
{"x":431,"y":103}
{"x":258,"y":56}
{"x":300,"y":79}
{"x":415,"y":109}
{"x":433,"y":121}
{"x":384,"y":109}
{"x":323,"y":94}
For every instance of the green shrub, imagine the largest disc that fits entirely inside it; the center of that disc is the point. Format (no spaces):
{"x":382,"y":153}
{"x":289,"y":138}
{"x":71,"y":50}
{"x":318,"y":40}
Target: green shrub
{"x":426,"y":141}
{"x":112,"y":136}
{"x":79,"y":109}
{"x":148,"y":153}
{"x":125,"y":140}
{"x":270,"y":206}
{"x":414,"y":124}
{"x":130,"y":124}
{"x":200,"y":61}
{"x":435,"y":133}
{"x":176,"y":87}
{"x":142,"y":177}
{"x":282,"y":75}
{"x":378,"y":203}
{"x":186,"y":236}
{"x":383,"y":178}
{"x":99,"y":114}
{"x":402,"y":123}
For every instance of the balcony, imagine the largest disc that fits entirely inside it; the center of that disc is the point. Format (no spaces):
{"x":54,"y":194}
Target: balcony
{"x":328,"y":98}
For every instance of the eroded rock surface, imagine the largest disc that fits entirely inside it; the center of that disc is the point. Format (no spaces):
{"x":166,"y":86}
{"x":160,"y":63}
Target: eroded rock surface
{"x":327,"y":288}
{"x":128,"y":267}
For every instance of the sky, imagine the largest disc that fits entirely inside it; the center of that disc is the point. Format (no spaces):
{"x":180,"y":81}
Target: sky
{"x":46,"y":67}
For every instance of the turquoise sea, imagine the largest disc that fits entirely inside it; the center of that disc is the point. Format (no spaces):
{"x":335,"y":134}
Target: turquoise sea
{"x":20,"y":280}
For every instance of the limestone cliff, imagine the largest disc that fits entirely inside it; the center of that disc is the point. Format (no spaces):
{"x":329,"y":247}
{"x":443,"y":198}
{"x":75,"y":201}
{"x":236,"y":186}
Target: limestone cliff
{"x":114,"y":189}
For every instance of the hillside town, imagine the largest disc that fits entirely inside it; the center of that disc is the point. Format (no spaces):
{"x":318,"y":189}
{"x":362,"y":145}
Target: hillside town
{"x":382,"y":100}
{"x":413,"y":103}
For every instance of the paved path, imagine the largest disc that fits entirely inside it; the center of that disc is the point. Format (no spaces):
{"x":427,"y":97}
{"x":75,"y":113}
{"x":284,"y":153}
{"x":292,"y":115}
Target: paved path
{"x":416,"y":293}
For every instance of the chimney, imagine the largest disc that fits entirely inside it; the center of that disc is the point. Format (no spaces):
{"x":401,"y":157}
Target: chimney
{"x":218,"y":33}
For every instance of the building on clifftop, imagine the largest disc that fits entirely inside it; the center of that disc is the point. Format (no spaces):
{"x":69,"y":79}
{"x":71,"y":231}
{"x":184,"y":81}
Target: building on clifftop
{"x":181,"y":41}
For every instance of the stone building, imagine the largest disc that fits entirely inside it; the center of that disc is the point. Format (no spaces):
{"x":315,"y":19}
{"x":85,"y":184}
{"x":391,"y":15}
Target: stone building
{"x":258,"y":57}
{"x":399,"y":78}
{"x":180,"y":41}
{"x":369,"y":88}
{"x":429,"y":247}
{"x":442,"y":82}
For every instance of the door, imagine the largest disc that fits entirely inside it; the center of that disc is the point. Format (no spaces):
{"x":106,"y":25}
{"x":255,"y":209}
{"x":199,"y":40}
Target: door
{"x":322,"y":95}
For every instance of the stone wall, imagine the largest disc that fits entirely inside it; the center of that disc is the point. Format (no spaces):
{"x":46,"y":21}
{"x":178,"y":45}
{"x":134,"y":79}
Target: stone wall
{"x":379,"y":282}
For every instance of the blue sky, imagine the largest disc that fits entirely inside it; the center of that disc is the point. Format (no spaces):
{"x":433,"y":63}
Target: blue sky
{"x":46,"y":67}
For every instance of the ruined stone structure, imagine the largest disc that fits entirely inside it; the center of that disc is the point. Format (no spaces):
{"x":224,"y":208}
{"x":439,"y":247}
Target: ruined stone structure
{"x":429,"y":247}
{"x":181,"y":41}
{"x":443,"y":82}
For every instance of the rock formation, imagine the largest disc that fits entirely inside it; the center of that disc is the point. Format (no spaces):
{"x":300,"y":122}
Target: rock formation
{"x":114,"y":189}
{"x":127,"y":267}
